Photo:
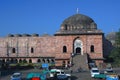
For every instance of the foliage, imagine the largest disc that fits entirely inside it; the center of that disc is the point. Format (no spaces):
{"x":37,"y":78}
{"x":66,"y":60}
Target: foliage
{"x":117,"y":41}
{"x":115,"y":54}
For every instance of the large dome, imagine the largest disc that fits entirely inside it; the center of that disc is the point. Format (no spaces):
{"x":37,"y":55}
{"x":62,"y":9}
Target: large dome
{"x":78,"y":22}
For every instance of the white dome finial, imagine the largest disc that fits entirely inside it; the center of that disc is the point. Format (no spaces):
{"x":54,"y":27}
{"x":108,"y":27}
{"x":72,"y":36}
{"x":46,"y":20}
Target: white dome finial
{"x":77,"y":10}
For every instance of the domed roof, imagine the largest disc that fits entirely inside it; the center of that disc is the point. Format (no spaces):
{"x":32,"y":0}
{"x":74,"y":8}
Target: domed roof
{"x":78,"y":22}
{"x":78,"y":19}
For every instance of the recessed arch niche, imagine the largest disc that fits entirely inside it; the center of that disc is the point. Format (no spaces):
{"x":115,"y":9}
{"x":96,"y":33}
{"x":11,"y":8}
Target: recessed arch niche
{"x":78,"y":46}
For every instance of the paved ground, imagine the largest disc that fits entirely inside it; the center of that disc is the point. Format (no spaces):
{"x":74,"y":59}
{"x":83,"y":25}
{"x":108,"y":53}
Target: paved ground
{"x":75,"y":75}
{"x":81,"y":76}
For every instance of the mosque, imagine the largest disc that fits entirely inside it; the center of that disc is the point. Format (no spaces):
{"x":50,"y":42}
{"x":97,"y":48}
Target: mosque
{"x":77,"y":43}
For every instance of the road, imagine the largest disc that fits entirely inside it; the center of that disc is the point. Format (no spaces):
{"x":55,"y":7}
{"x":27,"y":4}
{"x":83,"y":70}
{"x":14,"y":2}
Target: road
{"x":75,"y":75}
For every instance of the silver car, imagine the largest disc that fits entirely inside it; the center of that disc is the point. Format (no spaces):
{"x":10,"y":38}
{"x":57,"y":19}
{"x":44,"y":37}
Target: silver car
{"x":16,"y":76}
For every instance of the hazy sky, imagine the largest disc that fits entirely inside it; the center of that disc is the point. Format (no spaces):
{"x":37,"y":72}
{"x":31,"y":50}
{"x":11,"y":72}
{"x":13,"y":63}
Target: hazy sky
{"x":46,"y":16}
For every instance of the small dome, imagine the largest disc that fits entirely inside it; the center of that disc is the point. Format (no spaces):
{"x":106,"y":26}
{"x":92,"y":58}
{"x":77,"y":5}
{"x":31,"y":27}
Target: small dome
{"x":78,"y":22}
{"x":35,"y":35}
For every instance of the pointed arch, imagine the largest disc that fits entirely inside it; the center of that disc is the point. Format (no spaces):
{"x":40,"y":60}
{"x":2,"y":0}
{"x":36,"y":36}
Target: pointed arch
{"x":13,"y":50}
{"x":24,"y":61}
{"x":77,"y":46}
{"x":64,"y":49}
{"x":38,"y":60}
{"x":43,"y":60}
{"x":30,"y":60}
{"x":32,"y":50}
{"x":20,"y":60}
{"x":52,"y":60}
{"x":78,"y":50}
{"x":48,"y":60}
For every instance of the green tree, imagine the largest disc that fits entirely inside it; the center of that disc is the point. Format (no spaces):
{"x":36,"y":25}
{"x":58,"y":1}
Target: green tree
{"x":117,"y":40}
{"x":115,"y":54}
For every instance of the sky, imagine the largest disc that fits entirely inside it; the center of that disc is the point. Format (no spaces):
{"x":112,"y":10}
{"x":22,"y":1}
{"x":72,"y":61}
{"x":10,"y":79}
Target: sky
{"x":46,"y":16}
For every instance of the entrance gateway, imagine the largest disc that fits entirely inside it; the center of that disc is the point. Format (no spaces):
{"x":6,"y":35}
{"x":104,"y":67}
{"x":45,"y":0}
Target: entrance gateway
{"x":78,"y":47}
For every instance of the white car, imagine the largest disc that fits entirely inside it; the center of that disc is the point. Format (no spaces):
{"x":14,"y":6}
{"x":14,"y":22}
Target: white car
{"x":16,"y":76}
{"x":94,"y":71}
{"x":60,"y":74}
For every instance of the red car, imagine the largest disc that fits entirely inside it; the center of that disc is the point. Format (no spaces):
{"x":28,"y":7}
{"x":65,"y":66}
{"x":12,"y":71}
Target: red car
{"x":35,"y":78}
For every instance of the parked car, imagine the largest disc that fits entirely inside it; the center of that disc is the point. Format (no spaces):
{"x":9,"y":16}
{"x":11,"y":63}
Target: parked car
{"x":16,"y":76}
{"x":35,"y":78}
{"x":59,"y":73}
{"x":108,"y":70}
{"x":94,"y":71}
{"x":112,"y":77}
{"x":92,"y":65}
{"x":62,"y":77}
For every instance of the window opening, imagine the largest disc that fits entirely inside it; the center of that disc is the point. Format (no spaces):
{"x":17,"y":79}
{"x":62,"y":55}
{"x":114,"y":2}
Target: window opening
{"x":13,"y":50}
{"x":78,"y":50}
{"x":92,"y":48}
{"x":64,"y":49}
{"x":20,"y":61}
{"x":39,"y":60}
{"x":53,"y":60}
{"x":43,"y":60}
{"x":30,"y":61}
{"x":24,"y":61}
{"x":32,"y":50}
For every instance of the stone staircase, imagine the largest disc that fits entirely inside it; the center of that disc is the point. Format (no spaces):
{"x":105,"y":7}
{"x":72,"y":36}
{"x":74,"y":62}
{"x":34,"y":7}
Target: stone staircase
{"x":79,"y":62}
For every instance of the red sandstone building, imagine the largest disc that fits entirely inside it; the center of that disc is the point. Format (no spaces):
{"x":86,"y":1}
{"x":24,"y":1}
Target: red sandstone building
{"x":77,"y":42}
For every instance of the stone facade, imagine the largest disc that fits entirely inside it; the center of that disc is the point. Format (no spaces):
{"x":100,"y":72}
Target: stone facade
{"x":58,"y":48}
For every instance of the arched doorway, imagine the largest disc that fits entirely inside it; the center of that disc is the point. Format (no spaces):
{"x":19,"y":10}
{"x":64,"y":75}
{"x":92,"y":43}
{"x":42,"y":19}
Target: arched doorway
{"x":78,"y":47}
{"x":78,"y":50}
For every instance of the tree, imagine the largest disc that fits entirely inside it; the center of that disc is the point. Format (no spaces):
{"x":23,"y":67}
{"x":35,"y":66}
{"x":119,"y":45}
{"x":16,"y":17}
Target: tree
{"x":115,"y":54}
{"x":117,"y":41}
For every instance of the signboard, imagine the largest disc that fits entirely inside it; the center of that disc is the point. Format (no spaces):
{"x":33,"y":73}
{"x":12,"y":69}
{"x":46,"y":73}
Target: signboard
{"x":45,"y":65}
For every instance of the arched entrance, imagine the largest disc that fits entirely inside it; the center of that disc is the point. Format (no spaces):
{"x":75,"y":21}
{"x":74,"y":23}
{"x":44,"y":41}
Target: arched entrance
{"x":78,"y":50}
{"x":78,"y":47}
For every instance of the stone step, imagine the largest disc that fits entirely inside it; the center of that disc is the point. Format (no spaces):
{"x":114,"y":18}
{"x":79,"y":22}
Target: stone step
{"x":80,"y":62}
